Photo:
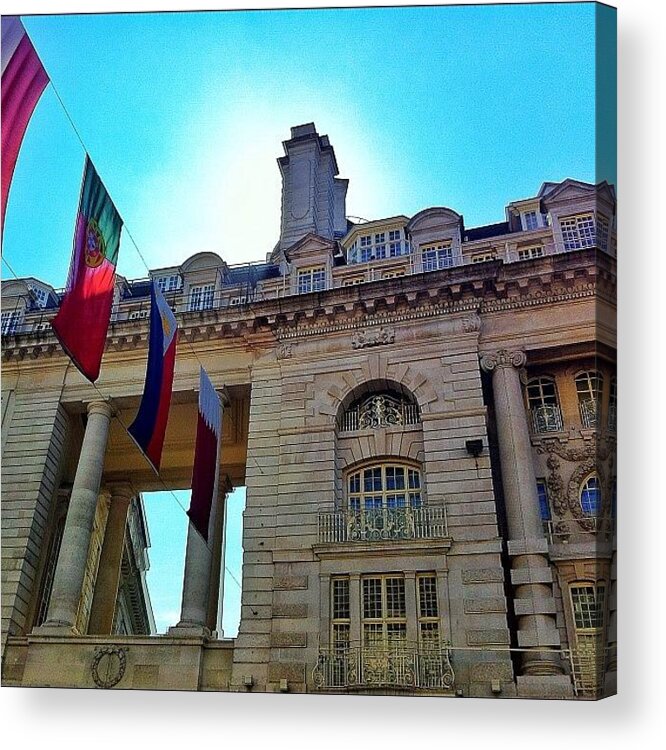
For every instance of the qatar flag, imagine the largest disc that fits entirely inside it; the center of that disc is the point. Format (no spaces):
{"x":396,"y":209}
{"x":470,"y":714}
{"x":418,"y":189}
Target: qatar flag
{"x":206,"y":455}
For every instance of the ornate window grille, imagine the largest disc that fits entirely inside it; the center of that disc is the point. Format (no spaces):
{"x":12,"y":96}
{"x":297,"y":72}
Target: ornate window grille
{"x":589,"y":386}
{"x":544,"y":407}
{"x":380,"y":410}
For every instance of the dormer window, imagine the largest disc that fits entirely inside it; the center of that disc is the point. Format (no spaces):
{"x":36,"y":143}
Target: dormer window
{"x":169,"y":283}
{"x":201,"y":297}
{"x":10,"y":322}
{"x":40,"y":295}
{"x":579,"y":231}
{"x":526,"y":253}
{"x":530,"y":220}
{"x":436,"y":256}
{"x":311,"y":280}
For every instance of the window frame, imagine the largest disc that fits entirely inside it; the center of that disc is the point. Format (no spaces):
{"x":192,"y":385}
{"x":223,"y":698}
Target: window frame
{"x":306,"y":283}
{"x":436,"y":256}
{"x":364,"y":500}
{"x":591,"y":508}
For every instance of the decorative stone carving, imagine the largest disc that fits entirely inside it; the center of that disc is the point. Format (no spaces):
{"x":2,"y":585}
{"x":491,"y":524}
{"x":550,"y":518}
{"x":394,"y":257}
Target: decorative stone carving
{"x":471,"y":323}
{"x":374,"y":337}
{"x":108,"y":666}
{"x":503,"y":358}
{"x":284,"y":351}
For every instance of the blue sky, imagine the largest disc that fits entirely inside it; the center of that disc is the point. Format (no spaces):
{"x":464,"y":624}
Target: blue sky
{"x":184,"y":114}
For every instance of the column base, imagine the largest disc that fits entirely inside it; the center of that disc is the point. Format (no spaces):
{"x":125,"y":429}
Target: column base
{"x":551,"y":687}
{"x":189,"y":630}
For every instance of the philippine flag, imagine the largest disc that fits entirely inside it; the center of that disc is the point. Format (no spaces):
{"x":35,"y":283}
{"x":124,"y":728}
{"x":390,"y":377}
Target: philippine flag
{"x":149,"y":427}
{"x":206,"y":455}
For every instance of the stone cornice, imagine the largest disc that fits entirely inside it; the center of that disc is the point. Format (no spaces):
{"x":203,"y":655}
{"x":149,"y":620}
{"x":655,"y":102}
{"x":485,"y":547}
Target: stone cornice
{"x":463,"y":294}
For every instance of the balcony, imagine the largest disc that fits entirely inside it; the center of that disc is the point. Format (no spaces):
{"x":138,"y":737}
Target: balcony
{"x":381,"y":668}
{"x":382,"y":524}
{"x":546,"y":418}
{"x":589,"y":410}
{"x":561,"y":532}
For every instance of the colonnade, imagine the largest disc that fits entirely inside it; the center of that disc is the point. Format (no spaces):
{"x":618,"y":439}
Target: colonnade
{"x":203,"y":561}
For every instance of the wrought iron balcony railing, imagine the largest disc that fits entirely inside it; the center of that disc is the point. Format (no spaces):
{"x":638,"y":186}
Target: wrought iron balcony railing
{"x":387,"y":667}
{"x":546,"y":418}
{"x":382,"y":524}
{"x":561,"y":532}
{"x":589,"y":412}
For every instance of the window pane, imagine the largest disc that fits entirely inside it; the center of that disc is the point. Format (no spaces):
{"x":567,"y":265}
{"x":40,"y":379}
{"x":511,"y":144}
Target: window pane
{"x":428,"y":596}
{"x":544,"y":505}
{"x":372,"y":598}
{"x":395,"y":597}
{"x":590,"y":497}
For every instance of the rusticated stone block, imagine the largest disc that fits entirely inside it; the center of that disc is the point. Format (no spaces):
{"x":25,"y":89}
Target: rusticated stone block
{"x":531,"y":575}
{"x":290,"y":583}
{"x":488,"y":637}
{"x":540,"y":606}
{"x":294,"y":611}
{"x":482,"y":606}
{"x":288,"y":640}
{"x":483,"y":575}
{"x":491,"y":670}
{"x":290,"y":671}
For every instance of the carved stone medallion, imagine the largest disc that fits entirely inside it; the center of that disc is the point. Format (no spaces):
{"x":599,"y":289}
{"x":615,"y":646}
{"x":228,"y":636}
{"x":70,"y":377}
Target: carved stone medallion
{"x":108,"y":666}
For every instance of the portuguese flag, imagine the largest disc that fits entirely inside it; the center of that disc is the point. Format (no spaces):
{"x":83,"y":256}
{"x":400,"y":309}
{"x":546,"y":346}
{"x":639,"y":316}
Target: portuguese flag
{"x":83,"y":319}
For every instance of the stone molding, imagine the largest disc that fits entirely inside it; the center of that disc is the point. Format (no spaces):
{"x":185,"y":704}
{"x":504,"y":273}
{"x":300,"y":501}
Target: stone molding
{"x":373,"y":337}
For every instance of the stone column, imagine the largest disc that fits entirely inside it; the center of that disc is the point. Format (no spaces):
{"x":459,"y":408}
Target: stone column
{"x":214,"y":618}
{"x":71,"y":566}
{"x":527,"y":546}
{"x":199,"y":556}
{"x":108,"y":575}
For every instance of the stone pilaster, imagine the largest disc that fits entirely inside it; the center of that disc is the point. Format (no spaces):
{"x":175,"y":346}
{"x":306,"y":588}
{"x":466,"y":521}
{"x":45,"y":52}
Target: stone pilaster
{"x":530,"y":575}
{"x":71,"y":566}
{"x":108,"y":574}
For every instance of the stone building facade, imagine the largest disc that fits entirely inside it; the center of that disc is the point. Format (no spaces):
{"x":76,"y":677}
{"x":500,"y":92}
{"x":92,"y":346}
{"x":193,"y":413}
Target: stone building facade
{"x":424,"y":417}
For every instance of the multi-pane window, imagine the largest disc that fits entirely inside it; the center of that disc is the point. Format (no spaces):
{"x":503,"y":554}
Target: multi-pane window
{"x":384,"y":486}
{"x":380,"y":245}
{"x":384,"y":612}
{"x":201,"y":297}
{"x":578,"y":231}
{"x":340,"y":613}
{"x":531,"y":221}
{"x":10,"y":321}
{"x":385,"y":244}
{"x":428,"y":612}
{"x":589,"y":386}
{"x":587,"y":602}
{"x":483,"y":257}
{"x":311,"y":280}
{"x":41,"y":295}
{"x":588,"y":608}
{"x":353,"y":281}
{"x":393,"y":274}
{"x":169,"y":283}
{"x":590,"y":497}
{"x":543,"y":405}
{"x":525,"y":253}
{"x":544,"y":504}
{"x":437,"y":256}
{"x":602,"y":231}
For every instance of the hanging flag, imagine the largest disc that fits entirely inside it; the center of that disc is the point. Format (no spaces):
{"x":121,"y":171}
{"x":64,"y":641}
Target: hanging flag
{"x":149,"y":427}
{"x":83,"y":319}
{"x":23,"y":81}
{"x":206,"y":455}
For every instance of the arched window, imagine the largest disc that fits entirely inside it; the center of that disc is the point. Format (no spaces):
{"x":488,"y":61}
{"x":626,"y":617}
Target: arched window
{"x":543,"y":404}
{"x":590,"y":497}
{"x":386,"y":409}
{"x":385,"y":485}
{"x":589,"y":386}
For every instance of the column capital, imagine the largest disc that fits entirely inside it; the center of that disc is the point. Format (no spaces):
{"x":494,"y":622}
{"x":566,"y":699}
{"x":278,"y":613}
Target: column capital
{"x":120,"y":490}
{"x":100,"y":407}
{"x":503,"y":358}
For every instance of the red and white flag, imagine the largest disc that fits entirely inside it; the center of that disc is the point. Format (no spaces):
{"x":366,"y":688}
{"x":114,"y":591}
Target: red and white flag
{"x":23,"y":80}
{"x":206,"y":455}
